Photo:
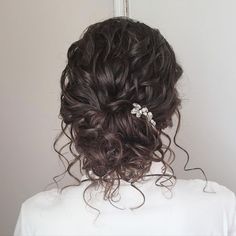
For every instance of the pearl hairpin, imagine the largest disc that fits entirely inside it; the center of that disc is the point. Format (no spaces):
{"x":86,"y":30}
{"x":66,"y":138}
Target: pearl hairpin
{"x":138,"y":110}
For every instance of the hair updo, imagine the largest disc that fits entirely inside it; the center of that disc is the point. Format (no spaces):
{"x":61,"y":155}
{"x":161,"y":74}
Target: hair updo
{"x":115,"y":63}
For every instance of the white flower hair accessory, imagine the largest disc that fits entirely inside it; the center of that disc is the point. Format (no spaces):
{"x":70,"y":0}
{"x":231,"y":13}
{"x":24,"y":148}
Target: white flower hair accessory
{"x":138,"y":110}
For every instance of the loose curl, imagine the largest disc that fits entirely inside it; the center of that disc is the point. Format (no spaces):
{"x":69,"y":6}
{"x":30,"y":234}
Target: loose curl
{"x":117,"y":62}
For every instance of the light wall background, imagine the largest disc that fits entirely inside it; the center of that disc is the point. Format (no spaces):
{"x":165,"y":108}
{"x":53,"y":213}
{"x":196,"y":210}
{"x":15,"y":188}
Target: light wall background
{"x":203,"y":35}
{"x":35,"y":36}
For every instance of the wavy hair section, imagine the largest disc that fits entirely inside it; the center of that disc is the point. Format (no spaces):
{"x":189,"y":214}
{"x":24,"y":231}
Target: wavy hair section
{"x":114,"y":63}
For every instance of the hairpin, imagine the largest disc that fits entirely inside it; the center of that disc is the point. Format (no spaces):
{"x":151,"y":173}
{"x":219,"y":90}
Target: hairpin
{"x":138,"y":110}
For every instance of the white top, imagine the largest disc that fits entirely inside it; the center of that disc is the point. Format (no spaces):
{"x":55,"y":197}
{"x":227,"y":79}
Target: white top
{"x":189,"y":211}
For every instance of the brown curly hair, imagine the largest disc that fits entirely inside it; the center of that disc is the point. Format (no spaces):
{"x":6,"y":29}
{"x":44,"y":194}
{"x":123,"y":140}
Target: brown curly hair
{"x":115,"y":63}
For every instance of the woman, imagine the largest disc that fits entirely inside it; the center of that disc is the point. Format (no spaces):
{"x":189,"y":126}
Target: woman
{"x":118,"y":96}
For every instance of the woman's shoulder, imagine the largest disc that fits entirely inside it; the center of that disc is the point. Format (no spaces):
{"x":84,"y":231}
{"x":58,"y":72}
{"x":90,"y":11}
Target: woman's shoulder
{"x":206,"y":193}
{"x":200,"y":185}
{"x":53,"y":198}
{"x":42,"y":199}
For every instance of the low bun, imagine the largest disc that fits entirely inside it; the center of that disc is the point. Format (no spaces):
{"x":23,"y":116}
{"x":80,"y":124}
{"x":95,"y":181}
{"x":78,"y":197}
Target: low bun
{"x":115,"y":142}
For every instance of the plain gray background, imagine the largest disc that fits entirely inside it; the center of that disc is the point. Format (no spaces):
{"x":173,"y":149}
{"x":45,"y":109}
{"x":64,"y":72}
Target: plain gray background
{"x":35,"y":36}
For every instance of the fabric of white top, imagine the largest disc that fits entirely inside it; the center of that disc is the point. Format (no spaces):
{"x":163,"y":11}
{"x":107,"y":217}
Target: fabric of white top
{"x":189,"y":211}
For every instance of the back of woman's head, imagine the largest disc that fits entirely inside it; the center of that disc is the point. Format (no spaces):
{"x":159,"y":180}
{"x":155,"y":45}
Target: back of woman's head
{"x":115,"y":63}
